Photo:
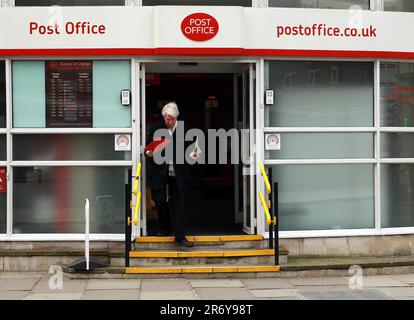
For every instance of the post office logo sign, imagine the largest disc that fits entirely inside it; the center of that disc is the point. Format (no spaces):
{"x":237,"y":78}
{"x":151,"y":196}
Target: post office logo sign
{"x":199,"y":26}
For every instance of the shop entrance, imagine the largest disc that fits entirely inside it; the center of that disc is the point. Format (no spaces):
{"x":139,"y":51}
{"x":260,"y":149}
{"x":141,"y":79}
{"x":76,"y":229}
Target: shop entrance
{"x":209,"y":97}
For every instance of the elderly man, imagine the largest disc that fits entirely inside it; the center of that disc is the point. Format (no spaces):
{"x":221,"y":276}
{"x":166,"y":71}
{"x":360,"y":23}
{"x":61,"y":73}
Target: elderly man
{"x":169,"y":179}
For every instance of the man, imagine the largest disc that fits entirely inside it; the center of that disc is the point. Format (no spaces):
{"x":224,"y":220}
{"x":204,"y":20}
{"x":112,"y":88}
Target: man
{"x":169,"y":179}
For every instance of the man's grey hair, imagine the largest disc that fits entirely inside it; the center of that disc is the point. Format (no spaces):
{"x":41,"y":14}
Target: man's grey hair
{"x":171,"y":109}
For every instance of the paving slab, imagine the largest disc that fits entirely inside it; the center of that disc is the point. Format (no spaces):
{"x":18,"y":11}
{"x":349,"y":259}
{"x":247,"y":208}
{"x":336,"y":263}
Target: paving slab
{"x":318,"y":281}
{"x":148,"y":285}
{"x":214,"y":283}
{"x":266,"y":284}
{"x":110,"y":295}
{"x":343,"y":295}
{"x":407,"y":278}
{"x":382,"y":281}
{"x":13,"y":295}
{"x":22,"y":275}
{"x":281,"y":298}
{"x":113,"y":284}
{"x":68,"y":286}
{"x":276,"y":293}
{"x":168,"y":295}
{"x":26,"y":284}
{"x":53,"y":296}
{"x":398,"y":293}
{"x":223,"y":294}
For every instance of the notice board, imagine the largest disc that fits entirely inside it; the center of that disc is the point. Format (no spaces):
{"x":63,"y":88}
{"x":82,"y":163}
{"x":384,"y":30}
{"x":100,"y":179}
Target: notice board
{"x":68,"y":94}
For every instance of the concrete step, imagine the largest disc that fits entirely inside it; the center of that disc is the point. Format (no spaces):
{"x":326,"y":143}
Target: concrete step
{"x":200,"y":253}
{"x":196,"y":269}
{"x":201,"y":257}
{"x":224,"y":242}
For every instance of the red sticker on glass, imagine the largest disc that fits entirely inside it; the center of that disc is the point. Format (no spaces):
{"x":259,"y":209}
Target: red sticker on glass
{"x":3,"y":180}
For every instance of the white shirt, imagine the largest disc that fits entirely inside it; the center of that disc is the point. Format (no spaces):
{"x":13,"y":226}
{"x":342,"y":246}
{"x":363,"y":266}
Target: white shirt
{"x":171,"y":166}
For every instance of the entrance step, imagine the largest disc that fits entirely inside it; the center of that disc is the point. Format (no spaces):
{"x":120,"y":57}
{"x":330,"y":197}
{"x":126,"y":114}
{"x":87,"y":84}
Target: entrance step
{"x":214,"y":255}
{"x":191,"y":269}
{"x":202,"y":257}
{"x":235,"y":242}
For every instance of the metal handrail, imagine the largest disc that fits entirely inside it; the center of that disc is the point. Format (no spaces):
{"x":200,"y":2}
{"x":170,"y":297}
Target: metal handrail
{"x":137,"y":177}
{"x":266,"y":180}
{"x":271,"y":218}
{"x":128,"y":203}
{"x":136,"y":193}
{"x":265,"y":208}
{"x":128,"y":208}
{"x":137,"y":205}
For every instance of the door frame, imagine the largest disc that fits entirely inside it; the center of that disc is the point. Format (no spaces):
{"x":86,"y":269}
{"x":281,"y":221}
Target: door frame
{"x":140,"y":127}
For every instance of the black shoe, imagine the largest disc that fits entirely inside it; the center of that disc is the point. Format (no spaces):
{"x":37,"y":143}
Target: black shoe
{"x":184,"y":243}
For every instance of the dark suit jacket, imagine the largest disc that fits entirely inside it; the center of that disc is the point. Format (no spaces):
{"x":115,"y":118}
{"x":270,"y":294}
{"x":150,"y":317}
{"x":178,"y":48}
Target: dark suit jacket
{"x":157,"y":174}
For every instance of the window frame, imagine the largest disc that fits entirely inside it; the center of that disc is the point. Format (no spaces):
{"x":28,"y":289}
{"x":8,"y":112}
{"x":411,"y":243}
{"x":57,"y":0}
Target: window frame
{"x":376,"y":160}
{"x":10,"y":163}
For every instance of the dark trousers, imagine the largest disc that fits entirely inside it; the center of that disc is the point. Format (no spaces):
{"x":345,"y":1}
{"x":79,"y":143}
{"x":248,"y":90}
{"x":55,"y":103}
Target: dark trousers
{"x":170,"y":208}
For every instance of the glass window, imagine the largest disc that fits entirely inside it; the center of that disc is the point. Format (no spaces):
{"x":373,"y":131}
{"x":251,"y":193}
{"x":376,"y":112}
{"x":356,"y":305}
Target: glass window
{"x":48,"y":147}
{"x":2,"y":94}
{"x":323,"y":145}
{"x":397,"y":94}
{"x":397,"y":195}
{"x":47,"y":3}
{"x":50,"y":94}
{"x":3,"y":200}
{"x":323,"y":197}
{"x":399,"y":5}
{"x":52,"y":199}
{"x":323,"y":4}
{"x":3,"y":141}
{"x":241,"y":3}
{"x":29,"y":94}
{"x":397,"y":145}
{"x":109,"y":78}
{"x":320,"y":93}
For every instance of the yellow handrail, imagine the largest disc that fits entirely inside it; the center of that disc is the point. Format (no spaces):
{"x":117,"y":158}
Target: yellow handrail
{"x":265,"y":178}
{"x":265,"y":208}
{"x":136,"y":193}
{"x":137,"y":176}
{"x":137,"y":205}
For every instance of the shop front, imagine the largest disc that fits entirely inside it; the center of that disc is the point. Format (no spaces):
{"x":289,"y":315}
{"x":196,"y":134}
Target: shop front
{"x":340,"y":86}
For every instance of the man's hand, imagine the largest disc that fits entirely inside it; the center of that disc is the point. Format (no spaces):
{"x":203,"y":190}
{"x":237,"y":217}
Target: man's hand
{"x":194,"y":155}
{"x":149,"y":154}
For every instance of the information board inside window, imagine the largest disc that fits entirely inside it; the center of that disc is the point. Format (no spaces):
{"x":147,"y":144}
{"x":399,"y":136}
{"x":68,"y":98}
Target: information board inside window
{"x":68,"y":94}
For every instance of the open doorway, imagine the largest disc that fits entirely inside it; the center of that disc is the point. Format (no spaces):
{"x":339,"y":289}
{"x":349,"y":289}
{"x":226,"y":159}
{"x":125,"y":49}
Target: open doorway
{"x":207,"y":100}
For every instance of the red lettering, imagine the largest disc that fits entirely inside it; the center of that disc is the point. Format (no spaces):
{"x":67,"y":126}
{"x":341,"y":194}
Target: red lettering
{"x":33,"y":27}
{"x":84,"y":27}
{"x":199,"y":27}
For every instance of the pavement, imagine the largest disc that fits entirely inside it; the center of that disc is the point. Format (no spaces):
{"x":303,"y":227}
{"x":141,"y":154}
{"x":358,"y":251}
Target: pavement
{"x":55,"y":286}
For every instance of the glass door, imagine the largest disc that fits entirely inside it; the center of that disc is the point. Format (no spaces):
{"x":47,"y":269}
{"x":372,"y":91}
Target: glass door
{"x":247,"y":155}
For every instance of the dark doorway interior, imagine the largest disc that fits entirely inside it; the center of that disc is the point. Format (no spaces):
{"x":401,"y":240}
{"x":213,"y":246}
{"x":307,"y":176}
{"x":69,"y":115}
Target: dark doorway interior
{"x":205,"y":102}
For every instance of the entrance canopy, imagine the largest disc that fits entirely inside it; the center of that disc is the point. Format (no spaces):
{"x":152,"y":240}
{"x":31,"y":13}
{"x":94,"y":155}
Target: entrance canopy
{"x":182,"y":30}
